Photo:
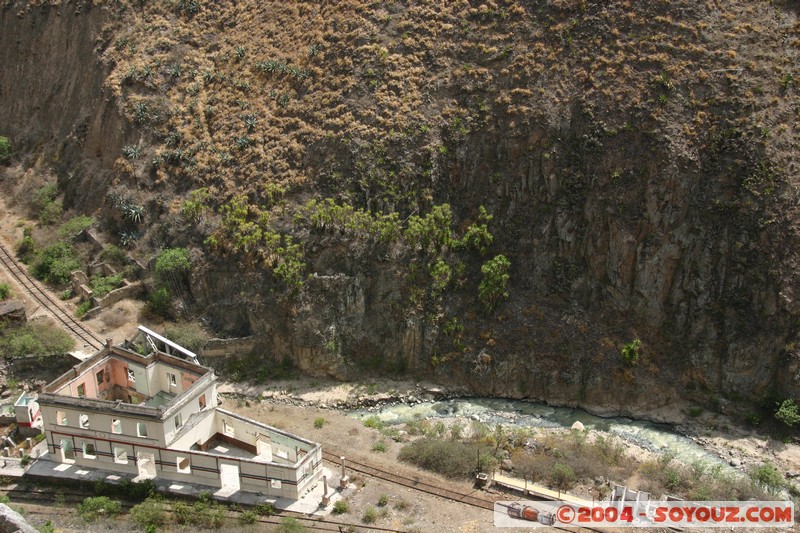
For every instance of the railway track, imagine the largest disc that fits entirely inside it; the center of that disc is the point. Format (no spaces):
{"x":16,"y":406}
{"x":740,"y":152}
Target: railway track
{"x":50,"y":498}
{"x":85,"y":338}
{"x":428,"y":488}
{"x":412,"y":483}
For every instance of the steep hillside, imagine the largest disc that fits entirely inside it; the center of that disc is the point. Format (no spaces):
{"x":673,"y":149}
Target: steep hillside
{"x":326,"y":163}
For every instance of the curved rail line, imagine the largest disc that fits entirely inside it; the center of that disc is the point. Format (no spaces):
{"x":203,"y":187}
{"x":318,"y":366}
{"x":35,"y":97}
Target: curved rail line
{"x":81,"y":334}
{"x":410,"y":482}
{"x":428,"y":488}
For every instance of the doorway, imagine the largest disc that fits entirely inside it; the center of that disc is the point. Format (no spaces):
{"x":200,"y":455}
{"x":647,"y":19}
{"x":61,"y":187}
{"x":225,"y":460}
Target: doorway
{"x":146,"y":463}
{"x":229,"y":478}
{"x":67,"y":451}
{"x":263,"y":448}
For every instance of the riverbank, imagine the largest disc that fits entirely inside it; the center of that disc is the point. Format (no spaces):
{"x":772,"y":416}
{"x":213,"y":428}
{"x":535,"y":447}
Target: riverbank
{"x":741,"y":448}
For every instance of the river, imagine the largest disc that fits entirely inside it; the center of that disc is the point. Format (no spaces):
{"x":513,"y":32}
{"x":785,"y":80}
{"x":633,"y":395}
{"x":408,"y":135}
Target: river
{"x":658,"y":438}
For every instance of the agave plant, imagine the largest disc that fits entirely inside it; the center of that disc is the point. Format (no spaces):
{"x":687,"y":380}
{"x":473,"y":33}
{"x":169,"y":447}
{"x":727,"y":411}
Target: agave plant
{"x":133,"y":212}
{"x":250,"y":122}
{"x":128,"y":238}
{"x":141,"y":113}
{"x":131,"y":152}
{"x":243,"y":142}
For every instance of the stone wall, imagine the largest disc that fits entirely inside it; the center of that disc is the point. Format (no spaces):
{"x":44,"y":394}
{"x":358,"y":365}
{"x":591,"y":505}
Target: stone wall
{"x":227,"y":347}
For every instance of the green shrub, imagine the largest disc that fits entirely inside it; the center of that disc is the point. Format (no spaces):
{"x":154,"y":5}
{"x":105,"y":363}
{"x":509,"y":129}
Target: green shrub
{"x":172,"y":264}
{"x":341,"y":507}
{"x":477,"y":236}
{"x":319,"y":422}
{"x":5,"y":291}
{"x":373,"y":422}
{"x":447,"y":457}
{"x":182,"y":512}
{"x":159,"y":302}
{"x":248,"y":517}
{"x":83,"y":308}
{"x":56,"y":263}
{"x":102,"y":285}
{"x":5,"y":150}
{"x":197,"y":203}
{"x":290,"y":525}
{"x":379,"y":446}
{"x":40,"y":337}
{"x":26,"y":249}
{"x":44,"y":195}
{"x":97,"y":507}
{"x":51,"y":213}
{"x":631,"y":351}
{"x":768,"y":477}
{"x":695,"y":411}
{"x":370,"y":515}
{"x":562,"y":476}
{"x":75,"y":225}
{"x":204,"y":513}
{"x":266,"y":509}
{"x":493,"y":287}
{"x":383,"y":501}
{"x":787,"y":413}
{"x":151,"y":512}
{"x":190,"y":335}
{"x":114,"y":255}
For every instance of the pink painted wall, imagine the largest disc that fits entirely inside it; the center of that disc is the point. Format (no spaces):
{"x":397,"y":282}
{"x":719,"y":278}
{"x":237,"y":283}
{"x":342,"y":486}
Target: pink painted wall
{"x":187,"y":380}
{"x":119,"y":373}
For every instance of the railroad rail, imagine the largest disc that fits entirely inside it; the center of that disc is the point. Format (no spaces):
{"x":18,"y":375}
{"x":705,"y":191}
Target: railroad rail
{"x":410,"y":482}
{"x":428,"y":488}
{"x":48,"y":303}
{"x":47,"y":498}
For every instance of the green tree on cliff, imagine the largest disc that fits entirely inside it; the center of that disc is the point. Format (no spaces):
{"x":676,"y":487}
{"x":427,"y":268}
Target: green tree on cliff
{"x":5,"y":150}
{"x":494,"y":286}
{"x":787,"y":413}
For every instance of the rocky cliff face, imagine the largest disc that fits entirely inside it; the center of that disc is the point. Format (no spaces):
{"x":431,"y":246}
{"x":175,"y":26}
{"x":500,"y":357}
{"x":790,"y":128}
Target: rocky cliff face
{"x":639,"y":162}
{"x":55,"y":109}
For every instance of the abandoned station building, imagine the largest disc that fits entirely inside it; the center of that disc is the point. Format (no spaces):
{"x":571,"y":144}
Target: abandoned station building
{"x":156,"y":416}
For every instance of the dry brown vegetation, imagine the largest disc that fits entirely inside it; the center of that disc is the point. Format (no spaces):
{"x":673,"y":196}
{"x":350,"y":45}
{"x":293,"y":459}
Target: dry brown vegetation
{"x":638,"y":158}
{"x":358,"y":98}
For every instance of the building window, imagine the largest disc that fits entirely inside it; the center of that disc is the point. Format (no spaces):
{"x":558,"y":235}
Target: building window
{"x":67,"y":450}
{"x":89,"y":451}
{"x":84,"y":421}
{"x":178,"y":421}
{"x":82,"y":390}
{"x":141,"y":429}
{"x":173,"y":380}
{"x":184,"y":465}
{"x":116,"y":425}
{"x":202,"y":401}
{"x":120,"y":455}
{"x":131,"y":376}
{"x":61,"y":418}
{"x":99,"y":377}
{"x":275,"y":483}
{"x":227,"y":429}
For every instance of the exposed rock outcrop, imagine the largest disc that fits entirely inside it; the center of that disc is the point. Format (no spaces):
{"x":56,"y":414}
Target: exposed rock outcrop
{"x":638,"y":160}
